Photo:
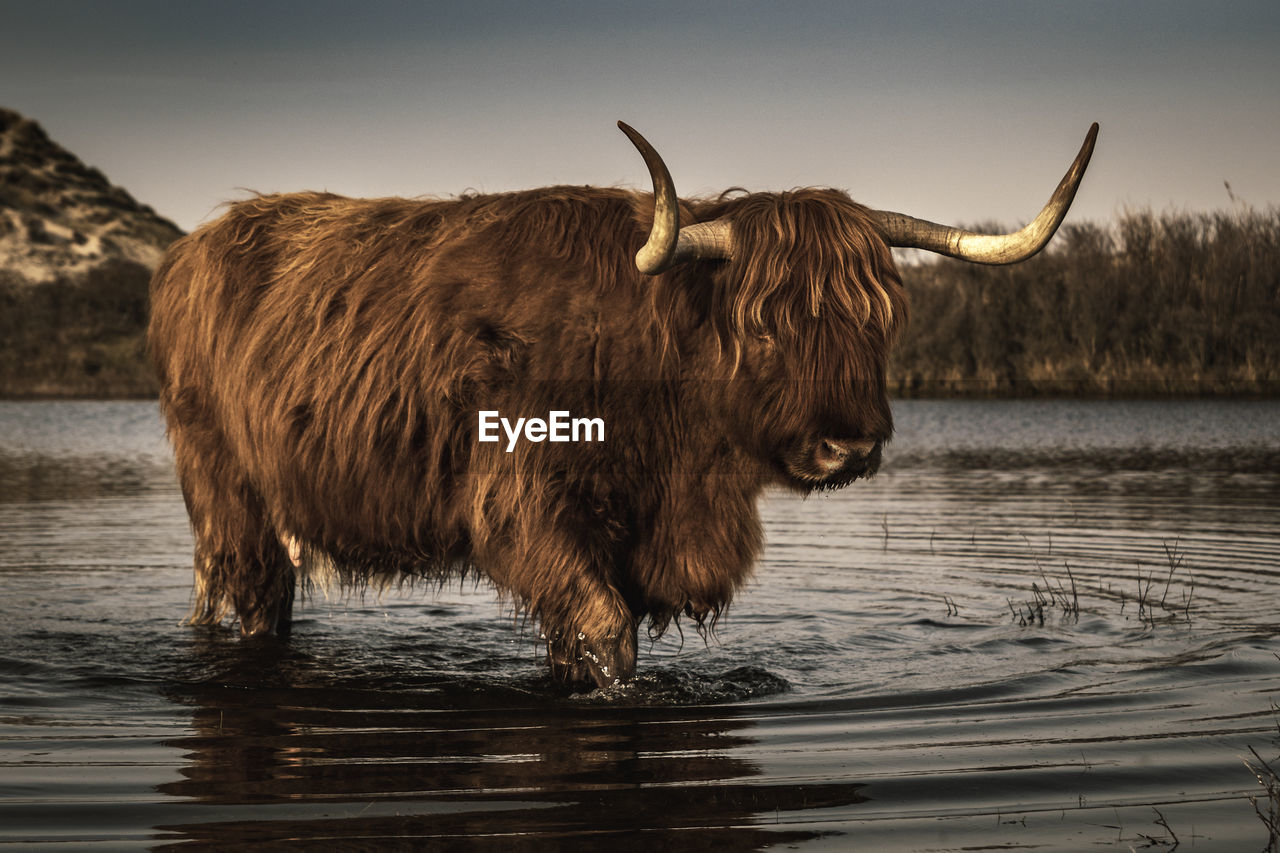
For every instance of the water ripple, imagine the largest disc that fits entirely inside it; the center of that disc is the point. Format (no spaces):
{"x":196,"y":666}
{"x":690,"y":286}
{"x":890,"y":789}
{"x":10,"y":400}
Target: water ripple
{"x":1038,"y":623}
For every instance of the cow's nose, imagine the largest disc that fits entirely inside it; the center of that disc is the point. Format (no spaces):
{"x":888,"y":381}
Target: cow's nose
{"x":836,"y":453}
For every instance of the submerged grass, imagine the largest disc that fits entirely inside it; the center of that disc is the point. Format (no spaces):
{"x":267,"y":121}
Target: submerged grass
{"x":1153,"y":602}
{"x":1267,"y":807}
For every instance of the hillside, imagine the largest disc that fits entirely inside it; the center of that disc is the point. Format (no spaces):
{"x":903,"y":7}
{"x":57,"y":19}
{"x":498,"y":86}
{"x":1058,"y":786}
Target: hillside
{"x":59,"y":217}
{"x":76,"y":254}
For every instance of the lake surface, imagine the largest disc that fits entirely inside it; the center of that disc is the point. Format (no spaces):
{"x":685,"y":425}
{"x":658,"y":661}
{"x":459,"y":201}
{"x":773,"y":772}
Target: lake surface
{"x":1049,"y":625}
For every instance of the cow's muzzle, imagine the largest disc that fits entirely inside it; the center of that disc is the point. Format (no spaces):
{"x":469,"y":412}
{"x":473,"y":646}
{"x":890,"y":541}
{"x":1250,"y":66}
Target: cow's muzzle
{"x":837,"y":456}
{"x":829,"y":462}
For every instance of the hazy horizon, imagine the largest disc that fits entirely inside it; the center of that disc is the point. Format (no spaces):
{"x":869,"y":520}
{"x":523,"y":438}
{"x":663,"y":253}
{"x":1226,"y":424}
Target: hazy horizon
{"x":955,"y":112}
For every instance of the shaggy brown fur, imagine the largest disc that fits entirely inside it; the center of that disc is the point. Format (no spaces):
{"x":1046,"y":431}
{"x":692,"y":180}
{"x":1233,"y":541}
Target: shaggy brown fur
{"x":323,"y":361}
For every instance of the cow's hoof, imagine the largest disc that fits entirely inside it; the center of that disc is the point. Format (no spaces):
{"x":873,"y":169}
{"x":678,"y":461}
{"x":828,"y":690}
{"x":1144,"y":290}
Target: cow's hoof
{"x":580,"y":660}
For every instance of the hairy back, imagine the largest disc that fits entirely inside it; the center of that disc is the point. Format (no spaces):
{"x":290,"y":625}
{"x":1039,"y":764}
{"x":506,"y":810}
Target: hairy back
{"x":341,"y":348}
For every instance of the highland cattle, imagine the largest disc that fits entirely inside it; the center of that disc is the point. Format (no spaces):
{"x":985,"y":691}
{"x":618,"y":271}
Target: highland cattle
{"x":326,"y":365}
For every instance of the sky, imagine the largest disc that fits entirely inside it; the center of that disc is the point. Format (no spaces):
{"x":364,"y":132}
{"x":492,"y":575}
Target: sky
{"x":961,"y":112}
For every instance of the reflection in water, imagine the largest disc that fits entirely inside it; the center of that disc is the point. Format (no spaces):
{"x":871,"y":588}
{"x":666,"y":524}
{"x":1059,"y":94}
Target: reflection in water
{"x":446,"y":761}
{"x":44,"y":477}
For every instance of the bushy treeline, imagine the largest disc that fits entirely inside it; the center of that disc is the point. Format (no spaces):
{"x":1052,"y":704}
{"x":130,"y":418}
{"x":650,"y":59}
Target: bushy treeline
{"x":1152,"y":305}
{"x":82,"y":336}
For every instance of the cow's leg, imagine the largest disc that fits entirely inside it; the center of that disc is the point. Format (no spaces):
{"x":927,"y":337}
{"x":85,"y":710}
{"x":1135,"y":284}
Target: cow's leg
{"x":565,"y":583}
{"x":591,"y":632}
{"x":240,"y":565}
{"x":576,"y":658}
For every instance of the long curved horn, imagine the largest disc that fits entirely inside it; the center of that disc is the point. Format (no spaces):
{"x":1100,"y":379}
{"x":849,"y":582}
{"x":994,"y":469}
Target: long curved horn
{"x":908,"y":232}
{"x":670,"y":245}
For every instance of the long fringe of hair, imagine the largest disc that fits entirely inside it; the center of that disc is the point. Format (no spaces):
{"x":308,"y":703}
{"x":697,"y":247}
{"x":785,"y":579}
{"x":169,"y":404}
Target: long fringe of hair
{"x":805,"y":254}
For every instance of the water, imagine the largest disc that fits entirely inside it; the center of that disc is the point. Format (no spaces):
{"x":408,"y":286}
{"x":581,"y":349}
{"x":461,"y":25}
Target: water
{"x":1044,"y":624}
